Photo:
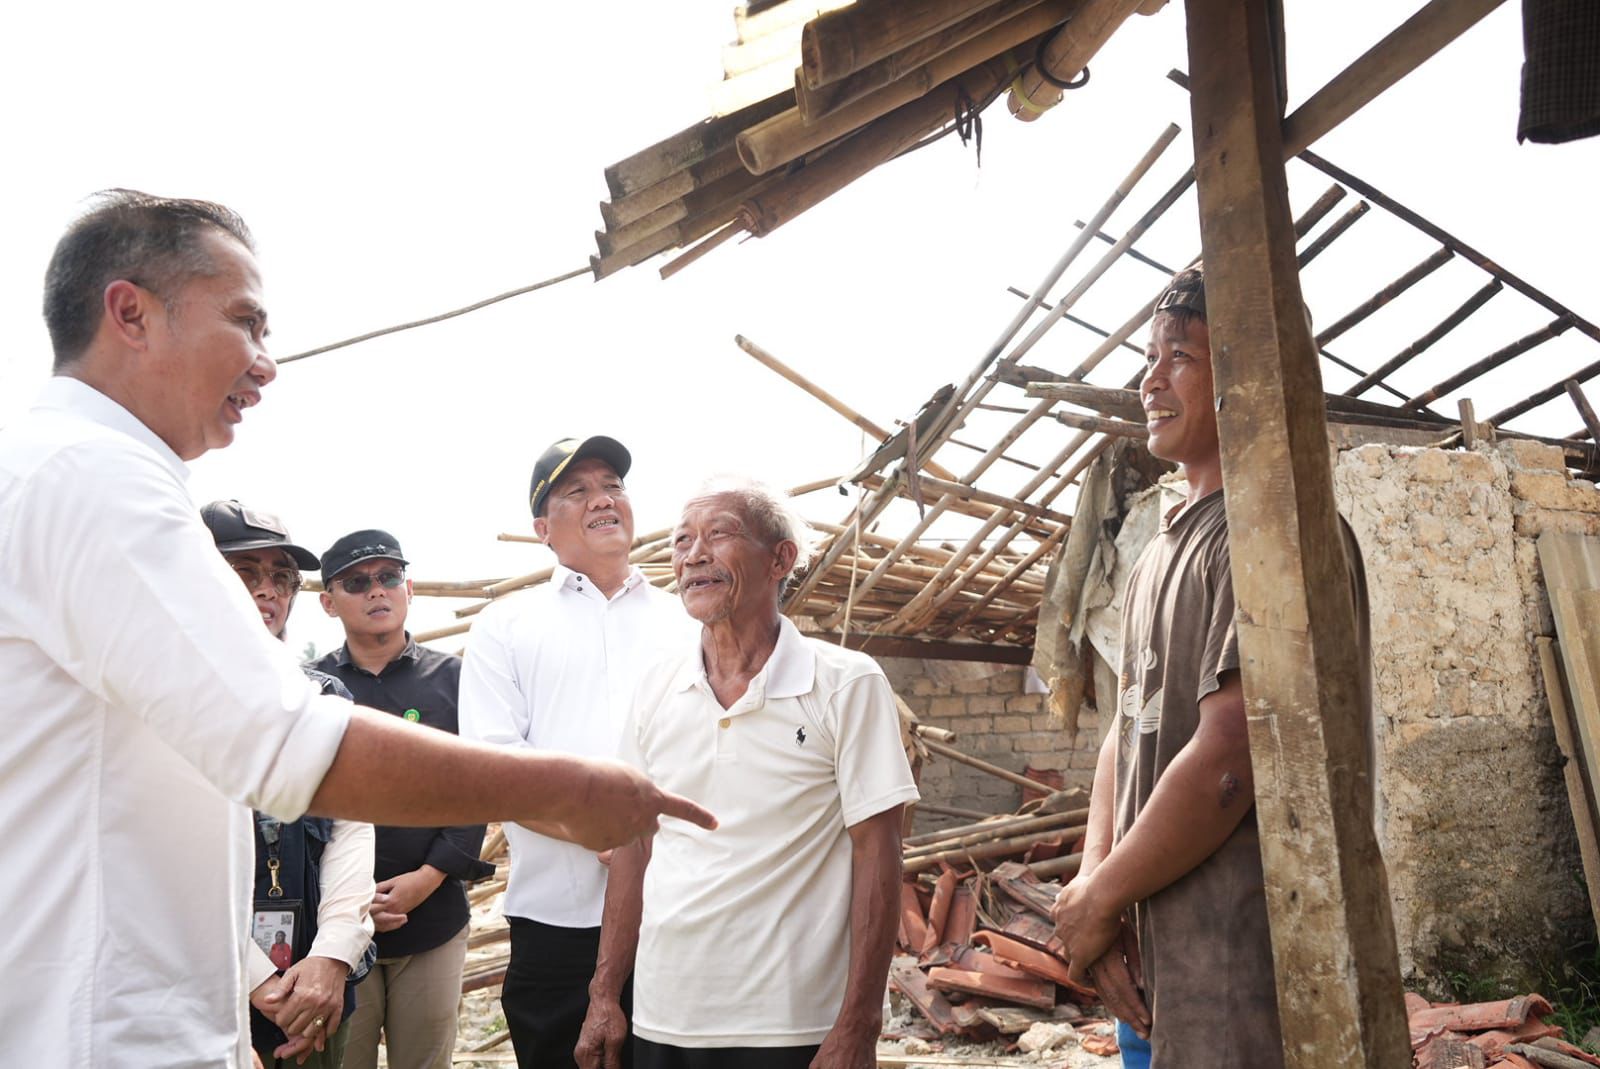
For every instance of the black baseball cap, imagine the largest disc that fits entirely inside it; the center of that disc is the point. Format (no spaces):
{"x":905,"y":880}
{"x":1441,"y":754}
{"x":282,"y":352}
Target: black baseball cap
{"x":236,"y":529}
{"x":358,"y":546}
{"x":567,"y":451}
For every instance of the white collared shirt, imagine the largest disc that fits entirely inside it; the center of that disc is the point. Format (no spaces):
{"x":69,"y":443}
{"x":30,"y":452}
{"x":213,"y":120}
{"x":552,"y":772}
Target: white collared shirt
{"x":554,"y":668}
{"x":344,"y":920}
{"x":146,"y":711}
{"x":745,"y":936}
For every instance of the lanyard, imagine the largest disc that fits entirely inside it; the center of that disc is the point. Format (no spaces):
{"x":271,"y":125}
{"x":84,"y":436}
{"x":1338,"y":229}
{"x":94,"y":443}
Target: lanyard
{"x":270,"y":830}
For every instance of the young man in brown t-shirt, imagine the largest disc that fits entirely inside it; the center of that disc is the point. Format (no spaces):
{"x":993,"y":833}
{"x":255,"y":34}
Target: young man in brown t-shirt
{"x":1168,"y":914}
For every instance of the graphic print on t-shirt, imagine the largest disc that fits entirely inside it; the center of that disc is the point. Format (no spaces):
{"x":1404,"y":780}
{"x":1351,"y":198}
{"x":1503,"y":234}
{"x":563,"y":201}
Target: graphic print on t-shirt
{"x":1140,"y":703}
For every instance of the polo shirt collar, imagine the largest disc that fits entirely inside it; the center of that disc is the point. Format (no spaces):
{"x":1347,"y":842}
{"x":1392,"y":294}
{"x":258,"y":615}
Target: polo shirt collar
{"x":341,"y":656}
{"x":65,"y":394}
{"x":790,"y":672}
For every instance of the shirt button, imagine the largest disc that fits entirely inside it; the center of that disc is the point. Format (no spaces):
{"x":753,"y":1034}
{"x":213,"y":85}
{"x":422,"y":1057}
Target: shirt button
{"x":725,"y":723}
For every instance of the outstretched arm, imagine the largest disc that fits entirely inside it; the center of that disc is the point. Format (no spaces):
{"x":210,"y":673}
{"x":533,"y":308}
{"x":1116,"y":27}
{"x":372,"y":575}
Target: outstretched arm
{"x":386,"y":772}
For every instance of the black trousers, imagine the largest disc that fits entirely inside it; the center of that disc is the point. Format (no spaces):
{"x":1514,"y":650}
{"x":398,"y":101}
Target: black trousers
{"x":546,"y":991}
{"x":648,"y":1055}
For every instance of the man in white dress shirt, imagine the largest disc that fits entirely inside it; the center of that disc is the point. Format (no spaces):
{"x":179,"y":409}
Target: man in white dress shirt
{"x":554,"y":669}
{"x":147,"y":708}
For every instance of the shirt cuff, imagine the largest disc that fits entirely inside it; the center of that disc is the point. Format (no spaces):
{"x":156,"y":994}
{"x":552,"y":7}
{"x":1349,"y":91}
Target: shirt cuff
{"x":259,"y":968}
{"x":452,"y":861}
{"x":344,"y":941}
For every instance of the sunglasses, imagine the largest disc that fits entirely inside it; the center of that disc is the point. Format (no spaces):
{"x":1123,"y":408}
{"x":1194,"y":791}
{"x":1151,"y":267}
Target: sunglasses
{"x":283,"y":580}
{"x":360,"y":584}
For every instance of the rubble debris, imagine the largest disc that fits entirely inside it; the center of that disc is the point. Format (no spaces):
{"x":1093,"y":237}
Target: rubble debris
{"x":1506,"y":1034}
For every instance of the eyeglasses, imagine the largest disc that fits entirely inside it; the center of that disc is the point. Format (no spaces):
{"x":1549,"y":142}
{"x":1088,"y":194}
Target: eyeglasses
{"x":360,"y":584}
{"x":284,"y":580}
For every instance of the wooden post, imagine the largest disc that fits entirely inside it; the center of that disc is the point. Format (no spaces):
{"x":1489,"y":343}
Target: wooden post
{"x":1339,"y":994}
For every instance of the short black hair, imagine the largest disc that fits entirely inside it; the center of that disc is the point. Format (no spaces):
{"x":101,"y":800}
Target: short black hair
{"x":155,"y":242}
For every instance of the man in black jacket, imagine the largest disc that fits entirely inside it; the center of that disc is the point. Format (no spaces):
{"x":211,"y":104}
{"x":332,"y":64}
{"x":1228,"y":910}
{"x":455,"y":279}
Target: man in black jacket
{"x":420,"y":909}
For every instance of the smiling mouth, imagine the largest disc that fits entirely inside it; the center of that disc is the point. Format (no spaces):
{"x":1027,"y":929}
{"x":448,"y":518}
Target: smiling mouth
{"x":700,"y":582}
{"x":605,"y":524}
{"x":1156,"y":415}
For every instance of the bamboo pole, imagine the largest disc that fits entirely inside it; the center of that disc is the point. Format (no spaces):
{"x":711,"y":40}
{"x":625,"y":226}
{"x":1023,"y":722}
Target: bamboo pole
{"x":867,"y":148}
{"x":817,"y":103}
{"x":1006,"y":583}
{"x":1585,"y":411}
{"x":1119,"y":428}
{"x":788,"y":136}
{"x":1416,"y":348}
{"x":773,"y":18}
{"x":974,"y":834}
{"x":619,"y":213}
{"x":985,"y":851}
{"x":460,"y":628}
{"x":1360,"y":312}
{"x":987,"y":823}
{"x":1067,"y":866}
{"x":1319,"y":208}
{"x":983,"y":766}
{"x":727,"y":190}
{"x":869,"y":510}
{"x":1350,"y":218}
{"x":689,"y":146}
{"x":949,"y":811}
{"x":842,"y":42}
{"x":1553,"y":329}
{"x":1067,"y":54}
{"x":1118,"y":404}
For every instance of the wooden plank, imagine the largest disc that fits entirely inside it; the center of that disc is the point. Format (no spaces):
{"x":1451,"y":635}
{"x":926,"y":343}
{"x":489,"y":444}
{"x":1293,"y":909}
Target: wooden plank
{"x":1338,"y":975}
{"x":1405,"y":49}
{"x":1577,"y":767}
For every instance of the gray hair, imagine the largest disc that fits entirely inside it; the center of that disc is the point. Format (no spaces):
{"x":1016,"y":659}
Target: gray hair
{"x":769,"y":511}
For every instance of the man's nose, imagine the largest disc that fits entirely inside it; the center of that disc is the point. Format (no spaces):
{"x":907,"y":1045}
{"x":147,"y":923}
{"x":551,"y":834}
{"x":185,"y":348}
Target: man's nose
{"x":265,"y":369}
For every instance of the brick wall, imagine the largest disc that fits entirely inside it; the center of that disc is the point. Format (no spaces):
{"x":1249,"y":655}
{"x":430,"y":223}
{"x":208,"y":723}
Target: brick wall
{"x":994,"y":719}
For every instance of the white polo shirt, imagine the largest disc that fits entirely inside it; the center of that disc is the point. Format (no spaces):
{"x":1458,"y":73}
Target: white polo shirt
{"x":554,"y":668}
{"x":745,"y":937}
{"x":146,"y":710}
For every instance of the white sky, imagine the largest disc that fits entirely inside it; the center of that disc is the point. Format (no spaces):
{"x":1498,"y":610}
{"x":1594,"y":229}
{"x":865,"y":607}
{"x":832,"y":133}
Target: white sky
{"x":399,"y":160}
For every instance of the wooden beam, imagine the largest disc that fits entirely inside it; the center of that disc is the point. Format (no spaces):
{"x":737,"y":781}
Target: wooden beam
{"x":1327,"y":898}
{"x":1410,"y":45}
{"x":899,"y":646}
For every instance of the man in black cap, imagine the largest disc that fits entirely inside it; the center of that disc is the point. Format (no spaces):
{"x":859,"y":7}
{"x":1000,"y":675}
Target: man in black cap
{"x":315,"y":870}
{"x":553,"y":668}
{"x":420,"y":909}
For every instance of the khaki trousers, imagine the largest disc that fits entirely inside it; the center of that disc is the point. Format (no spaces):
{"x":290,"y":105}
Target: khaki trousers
{"x":414,"y":1002}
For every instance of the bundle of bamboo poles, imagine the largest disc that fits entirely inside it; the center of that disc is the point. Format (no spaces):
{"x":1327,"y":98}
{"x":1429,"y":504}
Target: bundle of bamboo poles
{"x":817,"y":93}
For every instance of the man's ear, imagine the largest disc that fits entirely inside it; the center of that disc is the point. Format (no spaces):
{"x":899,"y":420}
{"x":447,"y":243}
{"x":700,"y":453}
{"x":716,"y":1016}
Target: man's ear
{"x":541,"y":527}
{"x":327,"y":603}
{"x":784,"y":554}
{"x":126,"y":309}
{"x":408,"y":592}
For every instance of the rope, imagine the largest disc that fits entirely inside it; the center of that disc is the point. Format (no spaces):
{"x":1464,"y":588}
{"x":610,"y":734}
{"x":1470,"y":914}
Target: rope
{"x":434,"y":319}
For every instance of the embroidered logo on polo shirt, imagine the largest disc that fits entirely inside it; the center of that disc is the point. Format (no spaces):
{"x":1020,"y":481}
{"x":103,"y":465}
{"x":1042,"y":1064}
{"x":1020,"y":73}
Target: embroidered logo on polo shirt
{"x":412,"y":715}
{"x":800,"y":736}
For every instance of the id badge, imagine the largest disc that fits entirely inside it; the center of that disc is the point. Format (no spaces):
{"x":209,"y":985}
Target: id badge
{"x":275,"y":924}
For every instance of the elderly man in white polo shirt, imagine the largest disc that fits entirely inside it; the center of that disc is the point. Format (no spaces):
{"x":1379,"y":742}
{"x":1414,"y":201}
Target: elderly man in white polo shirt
{"x":767,"y":942}
{"x":147,"y":710}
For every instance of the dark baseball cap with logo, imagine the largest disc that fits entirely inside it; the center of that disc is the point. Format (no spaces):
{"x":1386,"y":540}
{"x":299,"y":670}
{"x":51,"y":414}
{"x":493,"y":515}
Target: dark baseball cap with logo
{"x":358,"y":546}
{"x":236,"y":529}
{"x":1186,"y":290}
{"x":565,"y":453}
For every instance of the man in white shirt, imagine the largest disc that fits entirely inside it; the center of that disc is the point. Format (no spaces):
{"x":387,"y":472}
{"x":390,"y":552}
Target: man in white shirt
{"x":766,"y":943}
{"x":315,"y":870}
{"x":147,"y":708}
{"x":554,"y":669}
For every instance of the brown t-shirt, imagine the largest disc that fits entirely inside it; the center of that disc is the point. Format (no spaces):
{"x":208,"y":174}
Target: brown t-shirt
{"x":1204,"y":940}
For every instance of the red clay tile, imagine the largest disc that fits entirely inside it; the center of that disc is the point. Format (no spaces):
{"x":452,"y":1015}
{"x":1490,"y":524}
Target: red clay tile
{"x":1095,"y":1042}
{"x":1026,"y":992}
{"x":1512,"y":1061}
{"x":939,"y":911}
{"x":1450,"y":1050}
{"x":1481,"y":1016}
{"x":1018,"y":883}
{"x":1031,"y":960}
{"x":1415,"y":1002}
{"x":1561,"y":1046}
{"x":913,"y":928}
{"x":911,"y":982}
{"x":970,"y":959}
{"x":963,"y":918}
{"x":1035,"y":931}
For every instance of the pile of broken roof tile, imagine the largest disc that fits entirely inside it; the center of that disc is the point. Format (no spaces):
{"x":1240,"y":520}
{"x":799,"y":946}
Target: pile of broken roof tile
{"x":1511,"y":1034}
{"x":978,"y":958}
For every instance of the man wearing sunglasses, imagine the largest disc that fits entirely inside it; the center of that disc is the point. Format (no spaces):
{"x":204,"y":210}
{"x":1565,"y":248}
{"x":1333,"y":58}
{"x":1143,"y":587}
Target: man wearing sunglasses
{"x":420,"y":909}
{"x":317,"y":869}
